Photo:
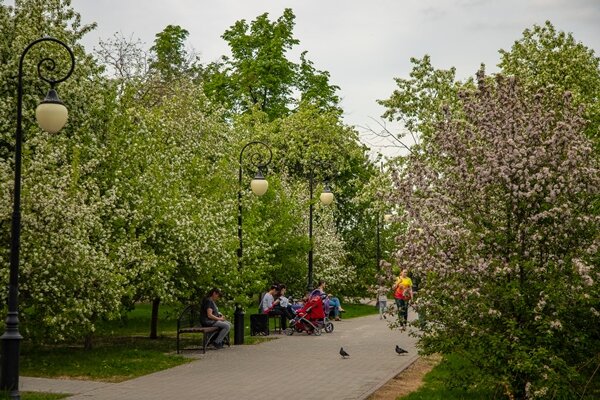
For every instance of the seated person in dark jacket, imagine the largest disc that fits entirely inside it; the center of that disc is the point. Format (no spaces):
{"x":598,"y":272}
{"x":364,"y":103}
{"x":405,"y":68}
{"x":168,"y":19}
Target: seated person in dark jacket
{"x":210,"y":316}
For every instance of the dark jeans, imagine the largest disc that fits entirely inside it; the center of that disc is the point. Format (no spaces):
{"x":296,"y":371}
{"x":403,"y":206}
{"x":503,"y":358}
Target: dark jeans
{"x":402,"y":306}
{"x":285,"y":312}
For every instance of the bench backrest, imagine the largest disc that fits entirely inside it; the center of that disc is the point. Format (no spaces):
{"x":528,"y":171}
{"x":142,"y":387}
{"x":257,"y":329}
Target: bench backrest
{"x":189,"y":317}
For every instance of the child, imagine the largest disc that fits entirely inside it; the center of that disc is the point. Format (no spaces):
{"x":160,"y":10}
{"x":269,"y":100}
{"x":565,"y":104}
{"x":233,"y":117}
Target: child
{"x":382,"y":300}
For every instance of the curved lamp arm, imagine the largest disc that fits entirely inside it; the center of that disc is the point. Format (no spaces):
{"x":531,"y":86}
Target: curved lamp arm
{"x":256,"y":159}
{"x":259,"y":184}
{"x":51,"y":113}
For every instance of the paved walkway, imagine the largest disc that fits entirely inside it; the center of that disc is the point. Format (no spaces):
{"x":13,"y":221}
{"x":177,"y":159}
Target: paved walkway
{"x":292,"y":367}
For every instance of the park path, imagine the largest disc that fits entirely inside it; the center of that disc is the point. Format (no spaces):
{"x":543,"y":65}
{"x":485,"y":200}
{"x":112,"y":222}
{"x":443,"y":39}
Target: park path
{"x":297,"y":367}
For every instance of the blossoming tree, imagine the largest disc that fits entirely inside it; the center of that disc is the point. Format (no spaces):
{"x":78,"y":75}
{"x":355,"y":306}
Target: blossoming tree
{"x":501,"y":230}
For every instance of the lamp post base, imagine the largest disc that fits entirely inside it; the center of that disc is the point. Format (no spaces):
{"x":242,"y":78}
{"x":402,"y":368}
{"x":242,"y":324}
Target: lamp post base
{"x":9,"y":376}
{"x":238,"y":325}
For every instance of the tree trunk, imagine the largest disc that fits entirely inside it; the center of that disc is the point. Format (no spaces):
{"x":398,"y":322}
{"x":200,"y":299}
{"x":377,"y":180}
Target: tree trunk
{"x":87,"y":341}
{"x":154,"y":319}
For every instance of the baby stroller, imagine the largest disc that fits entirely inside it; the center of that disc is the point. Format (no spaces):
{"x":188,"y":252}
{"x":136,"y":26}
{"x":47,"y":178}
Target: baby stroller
{"x":310,"y":319}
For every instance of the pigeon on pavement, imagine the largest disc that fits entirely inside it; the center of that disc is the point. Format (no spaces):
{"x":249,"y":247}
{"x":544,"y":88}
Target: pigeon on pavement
{"x":400,"y":350}
{"x":343,"y":353}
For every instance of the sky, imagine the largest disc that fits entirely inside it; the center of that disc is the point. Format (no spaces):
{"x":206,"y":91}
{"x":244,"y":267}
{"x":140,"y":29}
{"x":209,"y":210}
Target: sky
{"x":364,"y":44}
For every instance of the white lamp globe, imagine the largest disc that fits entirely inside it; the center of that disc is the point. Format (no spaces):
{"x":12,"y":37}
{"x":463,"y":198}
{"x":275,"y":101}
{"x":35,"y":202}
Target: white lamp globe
{"x":259,"y":184}
{"x":51,"y":114}
{"x":387,"y":217}
{"x":326,"y":197}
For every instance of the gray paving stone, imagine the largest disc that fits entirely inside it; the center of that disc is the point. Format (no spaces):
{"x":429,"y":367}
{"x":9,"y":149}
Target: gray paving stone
{"x":297,"y":367}
{"x":71,"y":386}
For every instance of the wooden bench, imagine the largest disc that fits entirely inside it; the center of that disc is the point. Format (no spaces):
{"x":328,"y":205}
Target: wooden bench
{"x":189,"y":322}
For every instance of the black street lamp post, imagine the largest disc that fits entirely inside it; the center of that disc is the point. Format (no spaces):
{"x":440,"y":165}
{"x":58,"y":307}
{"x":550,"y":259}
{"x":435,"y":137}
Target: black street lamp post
{"x":378,"y":241}
{"x":259,"y":186}
{"x":326,"y":198}
{"x":387,"y":216}
{"x":51,"y":115}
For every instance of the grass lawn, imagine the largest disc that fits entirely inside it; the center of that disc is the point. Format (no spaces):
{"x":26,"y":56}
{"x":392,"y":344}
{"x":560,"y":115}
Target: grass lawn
{"x":112,"y":359}
{"x":358,"y":310}
{"x":449,"y":380}
{"x":123,"y":351}
{"x":36,"y":396}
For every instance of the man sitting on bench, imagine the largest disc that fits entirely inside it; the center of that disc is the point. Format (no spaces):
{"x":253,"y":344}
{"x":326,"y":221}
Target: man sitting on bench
{"x":210,"y":316}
